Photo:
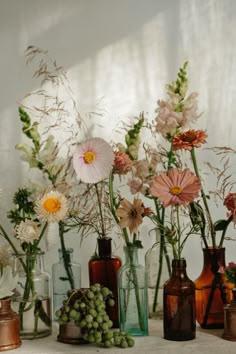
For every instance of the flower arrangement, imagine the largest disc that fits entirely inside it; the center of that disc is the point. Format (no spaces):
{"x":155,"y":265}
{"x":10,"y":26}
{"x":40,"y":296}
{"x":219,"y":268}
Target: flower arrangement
{"x":230,"y":273}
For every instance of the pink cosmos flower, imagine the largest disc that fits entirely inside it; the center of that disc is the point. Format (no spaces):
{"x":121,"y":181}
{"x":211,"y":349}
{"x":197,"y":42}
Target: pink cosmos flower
{"x":93,"y":160}
{"x":131,"y":215}
{"x":175,"y":188}
{"x":186,"y":140}
{"x":122,"y":163}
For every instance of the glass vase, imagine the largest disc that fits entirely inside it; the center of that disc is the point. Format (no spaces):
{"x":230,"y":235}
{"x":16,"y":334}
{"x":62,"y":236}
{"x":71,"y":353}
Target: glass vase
{"x":132,"y":292}
{"x":212,"y":292}
{"x":179,"y":304}
{"x":9,"y":327}
{"x":230,"y":319}
{"x":60,"y":280}
{"x":103,"y":269}
{"x":158,"y":267}
{"x":32,"y":299}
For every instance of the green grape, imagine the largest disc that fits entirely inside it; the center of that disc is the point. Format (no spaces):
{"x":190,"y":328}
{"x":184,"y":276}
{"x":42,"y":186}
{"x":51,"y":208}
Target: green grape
{"x":123,"y":344}
{"x":110,"y":323}
{"x":83,"y":323}
{"x":67,"y":308}
{"x":58,"y":313}
{"x":130,"y":342}
{"x":73,"y":314}
{"x":93,"y":288}
{"x":111,"y":302}
{"x":91,"y":304}
{"x":106,"y":318}
{"x":109,"y":335}
{"x":91,"y":338}
{"x":105,"y":326}
{"x":99,"y":319}
{"x":117,"y":340}
{"x":105,"y":291}
{"x":89,"y":318}
{"x":90,"y":295}
{"x":64,"y":318}
{"x":82,"y":305}
{"x":76,"y":305}
{"x":95,"y":324}
{"x":108,"y":343}
{"x":78,"y":316}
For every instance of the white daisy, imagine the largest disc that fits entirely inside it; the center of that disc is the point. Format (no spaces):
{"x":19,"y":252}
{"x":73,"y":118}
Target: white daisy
{"x":27,"y":231}
{"x":52,"y":207}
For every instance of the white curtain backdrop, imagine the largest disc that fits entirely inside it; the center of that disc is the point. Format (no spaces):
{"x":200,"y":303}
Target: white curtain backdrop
{"x":119,"y":55}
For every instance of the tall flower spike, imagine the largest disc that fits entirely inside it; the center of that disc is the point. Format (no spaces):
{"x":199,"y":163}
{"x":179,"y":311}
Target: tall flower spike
{"x":93,"y":160}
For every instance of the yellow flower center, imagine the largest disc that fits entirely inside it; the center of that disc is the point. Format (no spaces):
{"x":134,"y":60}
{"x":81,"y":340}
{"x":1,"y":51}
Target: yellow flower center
{"x":52,"y":205}
{"x":175,"y":190}
{"x":89,"y":157}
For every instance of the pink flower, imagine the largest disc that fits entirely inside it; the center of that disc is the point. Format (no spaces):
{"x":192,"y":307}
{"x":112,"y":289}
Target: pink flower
{"x":230,"y":203}
{"x":93,"y":160}
{"x":175,"y":188}
{"x":136,"y":185}
{"x":230,"y":266}
{"x":131,"y":215}
{"x":122,"y":163}
{"x":186,"y":140}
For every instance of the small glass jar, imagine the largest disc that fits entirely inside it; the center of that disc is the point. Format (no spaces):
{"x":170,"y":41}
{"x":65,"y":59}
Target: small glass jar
{"x":32,"y":300}
{"x":158,"y":267}
{"x":60,"y":280}
{"x":132,"y":294}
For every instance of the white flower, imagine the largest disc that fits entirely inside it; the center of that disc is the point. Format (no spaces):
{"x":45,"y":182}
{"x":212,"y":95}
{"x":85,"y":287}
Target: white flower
{"x":52,"y":207}
{"x":7,"y":282}
{"x":93,"y":160}
{"x":27,"y":231}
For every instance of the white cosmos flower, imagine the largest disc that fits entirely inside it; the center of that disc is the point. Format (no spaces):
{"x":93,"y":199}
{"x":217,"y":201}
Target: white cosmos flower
{"x":27,"y":231}
{"x":93,"y":160}
{"x":52,"y":207}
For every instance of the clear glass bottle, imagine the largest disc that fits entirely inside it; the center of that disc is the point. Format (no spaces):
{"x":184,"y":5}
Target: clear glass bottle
{"x":132,"y":295}
{"x":32,"y":300}
{"x":60,"y":279}
{"x":179,"y":304}
{"x":103,"y":269}
{"x":158,"y":267}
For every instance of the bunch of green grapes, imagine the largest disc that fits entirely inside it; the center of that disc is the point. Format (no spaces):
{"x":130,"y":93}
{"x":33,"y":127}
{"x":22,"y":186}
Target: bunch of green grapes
{"x":87,"y":308}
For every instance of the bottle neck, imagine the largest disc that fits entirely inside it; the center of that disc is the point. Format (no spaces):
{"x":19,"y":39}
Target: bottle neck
{"x":213,"y":258}
{"x":104,"y":247}
{"x":34,"y":262}
{"x":5,"y":306}
{"x":68,"y":255}
{"x":179,"y":268}
{"x":131,"y":255}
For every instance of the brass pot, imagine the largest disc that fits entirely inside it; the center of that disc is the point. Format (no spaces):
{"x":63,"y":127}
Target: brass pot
{"x":9,"y":327}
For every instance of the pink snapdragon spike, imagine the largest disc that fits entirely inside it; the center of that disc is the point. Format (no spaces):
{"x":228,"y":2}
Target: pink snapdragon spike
{"x":93,"y":160}
{"x":176,"y":187}
{"x":189,"y":139}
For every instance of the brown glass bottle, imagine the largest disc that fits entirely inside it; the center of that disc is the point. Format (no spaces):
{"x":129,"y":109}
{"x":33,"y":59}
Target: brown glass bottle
{"x":9,"y":327}
{"x":212,"y":292}
{"x":179,"y":304}
{"x":103,"y":269}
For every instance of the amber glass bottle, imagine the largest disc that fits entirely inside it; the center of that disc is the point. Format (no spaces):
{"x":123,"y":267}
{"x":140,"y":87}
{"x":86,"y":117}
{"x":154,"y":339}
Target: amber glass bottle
{"x":9,"y":327}
{"x":103,"y":269}
{"x":179,"y":304}
{"x":212,"y":292}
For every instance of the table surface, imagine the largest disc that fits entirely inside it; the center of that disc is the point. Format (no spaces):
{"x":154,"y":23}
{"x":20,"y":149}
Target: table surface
{"x":207,"y":341}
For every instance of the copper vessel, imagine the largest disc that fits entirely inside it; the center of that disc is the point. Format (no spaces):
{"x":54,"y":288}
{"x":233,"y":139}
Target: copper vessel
{"x":9,"y":327}
{"x":230,"y":319}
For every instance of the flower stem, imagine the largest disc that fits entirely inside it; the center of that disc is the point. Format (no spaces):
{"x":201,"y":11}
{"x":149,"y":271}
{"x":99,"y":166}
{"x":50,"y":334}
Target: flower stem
{"x":100,"y":211}
{"x":66,"y":260}
{"x":211,"y":226}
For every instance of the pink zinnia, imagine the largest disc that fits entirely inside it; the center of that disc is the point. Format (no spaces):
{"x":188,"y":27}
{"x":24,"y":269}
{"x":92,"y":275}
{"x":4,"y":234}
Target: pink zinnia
{"x":186,"y":140}
{"x":93,"y":160}
{"x":230,"y":203}
{"x":122,"y":163}
{"x":175,"y":188}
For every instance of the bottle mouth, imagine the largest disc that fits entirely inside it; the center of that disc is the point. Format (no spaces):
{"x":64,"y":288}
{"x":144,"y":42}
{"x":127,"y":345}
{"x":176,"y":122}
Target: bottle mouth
{"x":22,"y":255}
